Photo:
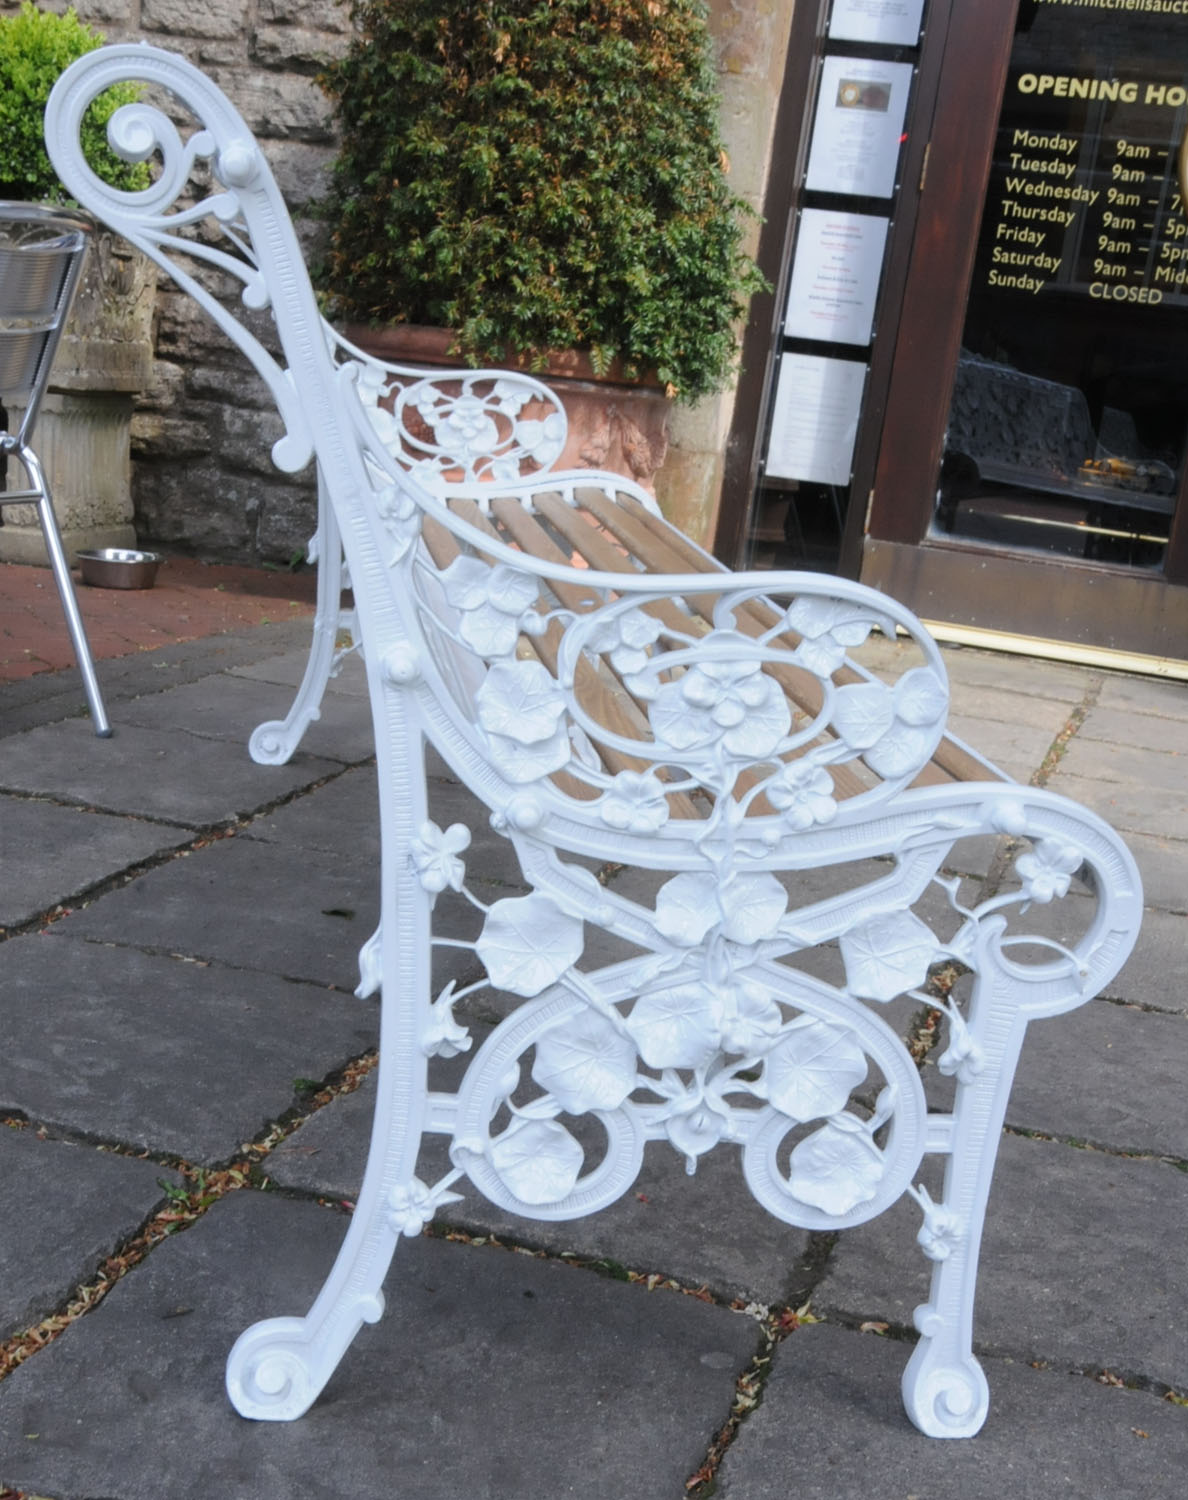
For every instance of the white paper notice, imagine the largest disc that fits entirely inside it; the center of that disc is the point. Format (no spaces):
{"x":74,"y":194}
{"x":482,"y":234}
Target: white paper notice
{"x":876,"y":21}
{"x":816,"y":419}
{"x":858,"y":125}
{"x":835,"y":276}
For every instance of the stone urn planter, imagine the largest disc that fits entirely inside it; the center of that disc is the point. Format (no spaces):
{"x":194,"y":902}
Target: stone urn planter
{"x":83,"y":433}
{"x":614,"y":423}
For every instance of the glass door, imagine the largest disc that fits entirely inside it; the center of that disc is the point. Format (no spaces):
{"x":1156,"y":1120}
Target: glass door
{"x":1069,"y":410}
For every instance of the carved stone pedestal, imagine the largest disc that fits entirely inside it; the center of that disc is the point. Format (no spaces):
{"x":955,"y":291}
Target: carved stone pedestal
{"x":83,"y":431}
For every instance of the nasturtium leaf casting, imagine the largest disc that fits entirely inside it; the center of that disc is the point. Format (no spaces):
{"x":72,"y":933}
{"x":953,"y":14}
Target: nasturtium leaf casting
{"x":492,"y":601}
{"x":920,"y":697}
{"x":676,"y":1027}
{"x":752,"y":907}
{"x":748,"y":907}
{"x":523,"y":763}
{"x":828,"y":627}
{"x":812,"y":1070}
{"x":687,"y":907}
{"x":527,"y":943}
{"x":887,"y":955}
{"x":538,"y":1160}
{"x":835,"y":1169}
{"x":518,"y":699}
{"x":862,"y":713}
{"x":585,"y":1064}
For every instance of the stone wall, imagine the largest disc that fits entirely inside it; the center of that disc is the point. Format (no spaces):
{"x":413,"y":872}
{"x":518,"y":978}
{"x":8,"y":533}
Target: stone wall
{"x":202,"y":478}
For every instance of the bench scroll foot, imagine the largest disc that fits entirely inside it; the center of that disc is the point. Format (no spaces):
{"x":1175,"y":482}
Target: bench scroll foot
{"x":277,"y":1368}
{"x":944,"y":1391}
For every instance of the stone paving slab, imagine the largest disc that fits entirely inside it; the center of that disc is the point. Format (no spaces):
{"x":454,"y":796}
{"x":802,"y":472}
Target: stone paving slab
{"x":52,"y":854}
{"x":1163,"y":866}
{"x":177,"y":777}
{"x":1167,"y":736}
{"x":1084,"y":1262}
{"x":343,"y":816}
{"x":288,"y":669}
{"x":1018,"y":749}
{"x":229,"y":707}
{"x":1134,"y":806}
{"x":1144,"y":695}
{"x":832,"y":1425}
{"x":492,"y":1376}
{"x":1154,"y":973}
{"x":160,"y":1054}
{"x":986,"y":707}
{"x":340,"y":816}
{"x":245,"y":903}
{"x":1112,"y":1075}
{"x":705,"y":1229}
{"x":1144,"y":765}
{"x":66,"y":1208}
{"x":1031,"y":677}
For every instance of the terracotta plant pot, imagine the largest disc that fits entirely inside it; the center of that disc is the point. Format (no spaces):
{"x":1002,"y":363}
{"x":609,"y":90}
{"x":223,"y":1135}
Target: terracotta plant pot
{"x":614,"y":423}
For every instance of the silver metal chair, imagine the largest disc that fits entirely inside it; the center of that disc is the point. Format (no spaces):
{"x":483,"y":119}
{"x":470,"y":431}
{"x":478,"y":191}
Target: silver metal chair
{"x":41,"y":259}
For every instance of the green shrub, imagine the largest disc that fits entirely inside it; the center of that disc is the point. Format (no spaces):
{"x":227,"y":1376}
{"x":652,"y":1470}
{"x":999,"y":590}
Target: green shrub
{"x":35,"y":48}
{"x":539,"y":174}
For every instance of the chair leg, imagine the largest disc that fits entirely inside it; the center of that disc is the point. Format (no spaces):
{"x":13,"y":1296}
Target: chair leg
{"x":61,"y":572}
{"x":273,"y":743}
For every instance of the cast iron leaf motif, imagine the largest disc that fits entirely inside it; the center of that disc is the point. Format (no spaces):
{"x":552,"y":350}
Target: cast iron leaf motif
{"x":812,"y":1069}
{"x":527,"y":943}
{"x":887,"y":955}
{"x":492,"y":602}
{"x":837,"y":1167}
{"x":585,"y":1064}
{"x":538,"y":1160}
{"x":828,"y":627}
{"x":676,"y":1027}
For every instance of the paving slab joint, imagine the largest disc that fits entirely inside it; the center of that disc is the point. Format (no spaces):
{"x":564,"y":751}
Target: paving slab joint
{"x":1071,"y":728}
{"x":1099,"y":1148}
{"x":181,"y":1207}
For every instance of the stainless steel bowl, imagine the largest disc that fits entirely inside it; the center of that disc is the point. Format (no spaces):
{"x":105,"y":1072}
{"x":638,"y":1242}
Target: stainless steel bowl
{"x":119,"y":568}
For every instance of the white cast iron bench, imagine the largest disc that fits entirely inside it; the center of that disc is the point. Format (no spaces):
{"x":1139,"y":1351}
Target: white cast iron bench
{"x":610,"y":693}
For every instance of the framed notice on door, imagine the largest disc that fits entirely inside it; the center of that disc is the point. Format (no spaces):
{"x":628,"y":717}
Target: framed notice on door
{"x":896,"y":22}
{"x":858,"y":126}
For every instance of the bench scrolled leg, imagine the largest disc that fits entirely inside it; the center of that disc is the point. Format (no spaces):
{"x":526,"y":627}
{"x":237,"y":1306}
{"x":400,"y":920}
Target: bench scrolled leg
{"x":944,"y":1389}
{"x":274,"y":743}
{"x":277,"y":1368}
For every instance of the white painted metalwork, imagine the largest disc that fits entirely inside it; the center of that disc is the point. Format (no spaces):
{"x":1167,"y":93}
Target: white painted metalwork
{"x":704,"y":727}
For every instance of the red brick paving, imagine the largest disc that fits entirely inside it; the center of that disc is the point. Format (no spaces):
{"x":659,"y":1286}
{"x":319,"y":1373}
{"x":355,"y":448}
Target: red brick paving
{"x":190,"y":600}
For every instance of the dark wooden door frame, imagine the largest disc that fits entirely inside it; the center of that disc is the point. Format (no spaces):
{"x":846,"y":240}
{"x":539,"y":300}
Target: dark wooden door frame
{"x":917,"y":167}
{"x":977,"y":49}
